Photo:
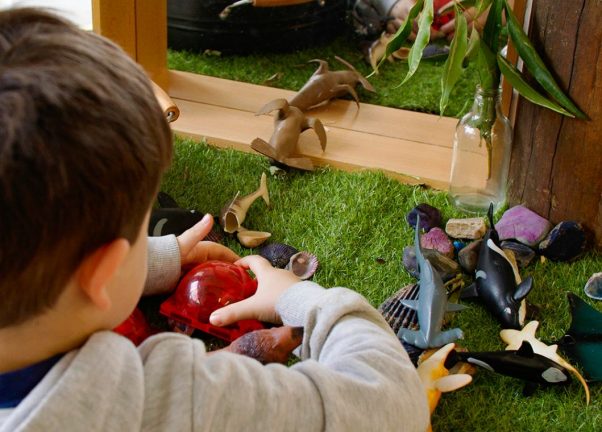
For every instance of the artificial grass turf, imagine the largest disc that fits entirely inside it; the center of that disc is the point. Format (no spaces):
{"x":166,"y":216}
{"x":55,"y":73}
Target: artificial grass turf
{"x":355,"y":224}
{"x":291,"y":70}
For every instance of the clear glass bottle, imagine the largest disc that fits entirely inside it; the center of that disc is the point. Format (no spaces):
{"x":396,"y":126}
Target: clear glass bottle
{"x":481,"y":155}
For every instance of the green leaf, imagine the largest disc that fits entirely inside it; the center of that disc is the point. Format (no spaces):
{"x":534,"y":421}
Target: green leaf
{"x":493,"y":26}
{"x":489,"y":73}
{"x":536,"y":66}
{"x":422,"y":39}
{"x":482,"y":6}
{"x":516,"y":80}
{"x":402,"y":33}
{"x":452,"y":69}
{"x":473,"y":47}
{"x":464,"y":4}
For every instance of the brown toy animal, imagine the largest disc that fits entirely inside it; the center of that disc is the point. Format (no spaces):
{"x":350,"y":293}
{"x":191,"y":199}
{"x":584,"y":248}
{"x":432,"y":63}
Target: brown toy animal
{"x":324,"y":85}
{"x":273,"y":345}
{"x":289,"y":123}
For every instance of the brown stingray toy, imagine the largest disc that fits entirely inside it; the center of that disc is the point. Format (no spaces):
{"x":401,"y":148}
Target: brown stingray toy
{"x":273,"y":345}
{"x":289,"y":123}
{"x":324,"y":85}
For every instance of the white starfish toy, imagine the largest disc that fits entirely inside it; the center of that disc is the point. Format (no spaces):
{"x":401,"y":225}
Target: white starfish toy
{"x":515,"y":338}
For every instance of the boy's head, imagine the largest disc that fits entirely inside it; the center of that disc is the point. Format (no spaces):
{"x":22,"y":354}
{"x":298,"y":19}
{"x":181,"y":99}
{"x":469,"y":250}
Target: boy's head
{"x":83,"y":145}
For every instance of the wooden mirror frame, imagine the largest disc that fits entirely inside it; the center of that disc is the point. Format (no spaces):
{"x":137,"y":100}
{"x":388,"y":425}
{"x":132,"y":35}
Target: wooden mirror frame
{"x":412,"y":147}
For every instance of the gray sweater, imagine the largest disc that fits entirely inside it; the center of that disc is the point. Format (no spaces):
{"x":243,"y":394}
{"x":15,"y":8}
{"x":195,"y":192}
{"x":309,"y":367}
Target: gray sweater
{"x":355,"y":376}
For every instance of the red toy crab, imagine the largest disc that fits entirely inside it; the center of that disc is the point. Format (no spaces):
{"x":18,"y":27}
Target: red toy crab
{"x":204,"y":289}
{"x":135,"y":327}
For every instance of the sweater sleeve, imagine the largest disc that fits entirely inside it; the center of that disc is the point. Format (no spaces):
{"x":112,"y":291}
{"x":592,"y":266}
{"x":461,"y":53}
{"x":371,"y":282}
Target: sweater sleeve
{"x":354,"y":375}
{"x":164,"y":265}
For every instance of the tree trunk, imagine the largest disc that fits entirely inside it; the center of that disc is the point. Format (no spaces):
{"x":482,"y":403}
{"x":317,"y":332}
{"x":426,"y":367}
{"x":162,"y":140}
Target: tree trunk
{"x":556,"y":162}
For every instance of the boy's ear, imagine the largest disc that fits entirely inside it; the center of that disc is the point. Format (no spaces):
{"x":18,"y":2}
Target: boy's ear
{"x":96,"y":270}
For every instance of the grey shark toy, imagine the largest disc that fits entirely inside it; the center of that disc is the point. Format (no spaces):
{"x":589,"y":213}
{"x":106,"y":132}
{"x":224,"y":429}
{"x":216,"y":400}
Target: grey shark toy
{"x":498,"y":282}
{"x":431,"y":307}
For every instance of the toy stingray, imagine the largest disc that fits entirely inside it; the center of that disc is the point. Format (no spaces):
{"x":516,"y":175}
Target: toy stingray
{"x":233,"y":214}
{"x":515,"y":338}
{"x":431,"y":306}
{"x":522,"y":363}
{"x":436,"y":378}
{"x":289,"y":123}
{"x":498,"y":282}
{"x":324,"y":85}
{"x":582,"y":342}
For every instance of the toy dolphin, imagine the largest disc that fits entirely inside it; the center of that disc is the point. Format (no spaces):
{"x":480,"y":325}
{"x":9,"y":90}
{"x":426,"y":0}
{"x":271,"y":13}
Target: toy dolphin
{"x":436,"y":378}
{"x":498,"y":282}
{"x":515,"y":338}
{"x":523,"y":364}
{"x":233,"y":214}
{"x":289,"y":123}
{"x":431,"y":306}
{"x":324,"y":85}
{"x":170,"y":218}
{"x":583,"y":340}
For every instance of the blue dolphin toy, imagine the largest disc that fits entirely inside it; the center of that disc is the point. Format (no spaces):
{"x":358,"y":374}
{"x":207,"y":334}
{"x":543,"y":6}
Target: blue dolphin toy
{"x":498,"y":282}
{"x":431,"y":307}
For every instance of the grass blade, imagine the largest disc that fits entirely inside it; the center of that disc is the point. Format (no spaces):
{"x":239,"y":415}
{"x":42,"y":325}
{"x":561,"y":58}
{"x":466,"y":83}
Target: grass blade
{"x":452,"y":69}
{"x":422,"y":39}
{"x":536,"y":66}
{"x":402,"y":33}
{"x":525,"y":90}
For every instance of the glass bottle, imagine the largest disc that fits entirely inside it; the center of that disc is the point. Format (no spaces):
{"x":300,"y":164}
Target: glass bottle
{"x":481,"y":155}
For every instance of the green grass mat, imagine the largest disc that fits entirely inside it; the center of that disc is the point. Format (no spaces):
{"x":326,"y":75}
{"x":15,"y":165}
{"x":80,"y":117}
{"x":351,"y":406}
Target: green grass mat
{"x":355,"y":224}
{"x":290,"y":71}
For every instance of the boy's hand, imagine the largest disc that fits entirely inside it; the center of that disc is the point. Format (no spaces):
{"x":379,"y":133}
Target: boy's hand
{"x":195,"y":251}
{"x":271,"y":283}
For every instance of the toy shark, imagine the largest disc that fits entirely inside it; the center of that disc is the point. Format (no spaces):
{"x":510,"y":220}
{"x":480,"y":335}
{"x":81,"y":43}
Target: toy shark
{"x":431,"y":306}
{"x":324,"y":85}
{"x":233,"y":214}
{"x":289,"y":123}
{"x":498,"y":282}
{"x":437,"y":379}
{"x":515,"y":338}
{"x":523,"y":364}
{"x":583,"y":340}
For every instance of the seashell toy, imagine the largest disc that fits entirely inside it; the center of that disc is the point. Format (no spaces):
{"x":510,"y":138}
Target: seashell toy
{"x":278,"y":254}
{"x":303,"y":265}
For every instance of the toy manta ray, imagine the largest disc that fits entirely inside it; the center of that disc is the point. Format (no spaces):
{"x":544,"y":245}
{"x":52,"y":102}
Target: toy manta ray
{"x":515,"y":338}
{"x":498,"y":282}
{"x":523,"y":364}
{"x":431,"y":307}
{"x":583,"y":340}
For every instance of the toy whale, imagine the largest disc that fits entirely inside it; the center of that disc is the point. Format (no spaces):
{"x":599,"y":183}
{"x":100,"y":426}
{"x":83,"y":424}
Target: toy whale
{"x":431,"y":307}
{"x":324,"y":85}
{"x":523,"y":364}
{"x":289,"y":123}
{"x":498,"y":282}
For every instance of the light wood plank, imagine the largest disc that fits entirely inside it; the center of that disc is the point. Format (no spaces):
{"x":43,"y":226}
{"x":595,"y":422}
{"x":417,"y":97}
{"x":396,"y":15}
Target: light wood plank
{"x":116,"y":20}
{"x":408,"y":161}
{"x":373,"y":119}
{"x":151,"y":39}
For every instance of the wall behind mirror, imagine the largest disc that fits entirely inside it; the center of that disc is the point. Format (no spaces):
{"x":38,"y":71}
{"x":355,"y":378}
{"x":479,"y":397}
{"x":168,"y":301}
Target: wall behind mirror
{"x":78,"y":11}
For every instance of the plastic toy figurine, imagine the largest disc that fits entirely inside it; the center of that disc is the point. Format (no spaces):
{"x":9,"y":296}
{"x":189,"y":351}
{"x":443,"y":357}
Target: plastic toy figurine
{"x":498,"y":282}
{"x":523,"y":364}
{"x":431,"y":307}
{"x":233,"y":214}
{"x":289,"y":123}
{"x":170,"y":218}
{"x":204,"y":289}
{"x":437,"y":379}
{"x":263,"y":3}
{"x":273,"y":345}
{"x":515,"y":338}
{"x":324,"y":85}
{"x":135,"y":327}
{"x":582,"y":342}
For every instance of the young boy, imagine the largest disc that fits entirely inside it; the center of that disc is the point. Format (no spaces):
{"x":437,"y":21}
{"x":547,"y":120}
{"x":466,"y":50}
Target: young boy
{"x":83,"y":145}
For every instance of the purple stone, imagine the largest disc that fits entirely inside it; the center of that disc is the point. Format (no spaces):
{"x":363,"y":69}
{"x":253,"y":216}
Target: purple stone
{"x":523,"y":225}
{"x":566,"y":242}
{"x":430,"y":217}
{"x":438,"y":240}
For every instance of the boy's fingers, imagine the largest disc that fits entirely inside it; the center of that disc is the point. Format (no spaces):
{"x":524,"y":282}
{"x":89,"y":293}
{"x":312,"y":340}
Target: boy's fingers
{"x":198,"y":232}
{"x":220,"y":252}
{"x":232,"y":313}
{"x":255,"y":263}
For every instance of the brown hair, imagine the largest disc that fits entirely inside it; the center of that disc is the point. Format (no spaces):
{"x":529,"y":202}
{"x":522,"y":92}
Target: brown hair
{"x":83,"y":145}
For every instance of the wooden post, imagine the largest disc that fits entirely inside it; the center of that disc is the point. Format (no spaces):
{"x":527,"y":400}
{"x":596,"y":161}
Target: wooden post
{"x":140,"y":28}
{"x":556,"y":161}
